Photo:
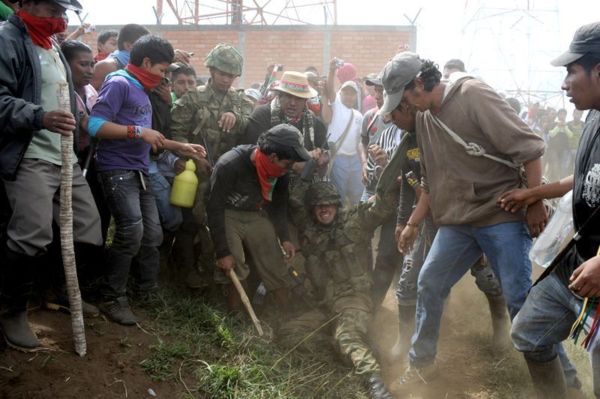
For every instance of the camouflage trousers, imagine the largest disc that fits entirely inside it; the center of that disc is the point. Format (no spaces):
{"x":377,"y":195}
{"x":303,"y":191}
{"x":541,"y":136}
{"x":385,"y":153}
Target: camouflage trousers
{"x":314,"y":330}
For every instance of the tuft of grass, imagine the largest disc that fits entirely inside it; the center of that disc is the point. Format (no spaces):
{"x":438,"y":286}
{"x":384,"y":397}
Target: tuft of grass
{"x":212,"y":354}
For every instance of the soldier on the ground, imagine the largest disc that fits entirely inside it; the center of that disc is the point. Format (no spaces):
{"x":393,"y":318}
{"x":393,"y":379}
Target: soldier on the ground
{"x":336,"y":245}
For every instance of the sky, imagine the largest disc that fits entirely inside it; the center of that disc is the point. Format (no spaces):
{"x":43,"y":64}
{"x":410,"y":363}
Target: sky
{"x":508,"y":43}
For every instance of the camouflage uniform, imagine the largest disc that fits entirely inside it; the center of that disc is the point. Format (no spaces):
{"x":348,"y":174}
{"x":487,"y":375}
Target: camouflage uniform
{"x":195,"y":117}
{"x":337,"y":266}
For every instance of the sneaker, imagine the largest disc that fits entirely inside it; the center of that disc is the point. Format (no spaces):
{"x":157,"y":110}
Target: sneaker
{"x":118,"y":310}
{"x":419,"y":375}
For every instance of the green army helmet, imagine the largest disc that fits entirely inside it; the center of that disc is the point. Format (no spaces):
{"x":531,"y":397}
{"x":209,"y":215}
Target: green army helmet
{"x":225,"y":58}
{"x":322,"y":193}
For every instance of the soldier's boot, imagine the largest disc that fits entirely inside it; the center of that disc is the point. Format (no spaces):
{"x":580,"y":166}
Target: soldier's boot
{"x":406,"y":320}
{"x":500,"y":322}
{"x":377,"y":388}
{"x":548,"y":379}
{"x":16,"y":291}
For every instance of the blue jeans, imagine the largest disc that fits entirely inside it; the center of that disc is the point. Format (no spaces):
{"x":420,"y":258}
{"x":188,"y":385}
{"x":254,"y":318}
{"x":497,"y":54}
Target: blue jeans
{"x":454,"y":250}
{"x":346,"y":175}
{"x":137,"y":232}
{"x":545,"y":320}
{"x":170,"y":215}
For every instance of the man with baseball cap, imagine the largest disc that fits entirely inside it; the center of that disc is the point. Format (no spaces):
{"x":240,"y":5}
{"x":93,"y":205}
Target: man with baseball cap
{"x":32,"y":73}
{"x":472,"y":144}
{"x":554,"y":302}
{"x":247,"y":209}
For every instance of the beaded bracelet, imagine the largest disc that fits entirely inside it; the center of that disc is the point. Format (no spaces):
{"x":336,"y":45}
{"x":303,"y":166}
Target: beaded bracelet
{"x":134,"y":132}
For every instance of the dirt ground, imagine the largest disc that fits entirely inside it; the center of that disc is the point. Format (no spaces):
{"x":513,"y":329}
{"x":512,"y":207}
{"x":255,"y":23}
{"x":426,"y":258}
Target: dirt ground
{"x":111,"y":369}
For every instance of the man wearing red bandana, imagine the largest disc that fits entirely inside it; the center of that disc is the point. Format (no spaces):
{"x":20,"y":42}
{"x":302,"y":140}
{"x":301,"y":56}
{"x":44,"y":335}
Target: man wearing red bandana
{"x":32,"y":71}
{"x":247,"y":210}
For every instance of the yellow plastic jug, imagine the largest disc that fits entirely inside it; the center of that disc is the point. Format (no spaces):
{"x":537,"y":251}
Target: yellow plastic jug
{"x":184,"y":187}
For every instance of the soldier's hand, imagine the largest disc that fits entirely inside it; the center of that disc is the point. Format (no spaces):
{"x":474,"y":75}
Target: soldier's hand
{"x":179,"y":166}
{"x":537,"y":216}
{"x":407,"y":239}
{"x":226,"y":264}
{"x":227,"y":121}
{"x":289,"y":250}
{"x":60,"y":122}
{"x":203,"y":166}
{"x":154,"y":138}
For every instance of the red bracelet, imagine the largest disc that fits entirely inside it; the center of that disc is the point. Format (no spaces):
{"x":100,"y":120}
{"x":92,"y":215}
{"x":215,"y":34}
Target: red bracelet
{"x":131,"y":132}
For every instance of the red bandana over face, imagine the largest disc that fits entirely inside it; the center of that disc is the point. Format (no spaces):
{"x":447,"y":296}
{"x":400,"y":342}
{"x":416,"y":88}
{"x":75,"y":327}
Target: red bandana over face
{"x":149,"y":80}
{"x":268,"y":172}
{"x":40,"y":29}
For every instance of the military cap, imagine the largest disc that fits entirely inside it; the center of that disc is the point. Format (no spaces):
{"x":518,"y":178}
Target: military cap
{"x":225,"y":58}
{"x":322,"y":193}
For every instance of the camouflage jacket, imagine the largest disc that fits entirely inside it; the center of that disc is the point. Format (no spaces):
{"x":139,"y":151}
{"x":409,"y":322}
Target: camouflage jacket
{"x":195,"y":117}
{"x":337,"y":262}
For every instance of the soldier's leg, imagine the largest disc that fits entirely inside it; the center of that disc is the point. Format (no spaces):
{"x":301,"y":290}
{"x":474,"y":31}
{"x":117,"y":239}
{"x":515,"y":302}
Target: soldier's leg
{"x":351,"y":338}
{"x":310,"y":331}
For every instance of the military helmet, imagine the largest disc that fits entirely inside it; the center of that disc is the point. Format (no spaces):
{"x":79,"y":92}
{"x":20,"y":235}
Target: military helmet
{"x":225,"y":58}
{"x":323,"y":193}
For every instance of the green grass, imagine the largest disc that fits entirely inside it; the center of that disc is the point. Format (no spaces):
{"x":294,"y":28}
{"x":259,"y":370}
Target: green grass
{"x":211,"y":354}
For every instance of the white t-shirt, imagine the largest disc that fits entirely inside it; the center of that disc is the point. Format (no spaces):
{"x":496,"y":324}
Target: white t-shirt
{"x":339,"y":121}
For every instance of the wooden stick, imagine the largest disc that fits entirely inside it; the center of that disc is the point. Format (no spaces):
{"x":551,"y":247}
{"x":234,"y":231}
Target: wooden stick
{"x":66,"y":230}
{"x":246,"y":302}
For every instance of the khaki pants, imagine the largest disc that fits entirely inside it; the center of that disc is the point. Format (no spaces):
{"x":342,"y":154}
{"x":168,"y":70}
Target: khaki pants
{"x":254,"y":232}
{"x":35,"y":201}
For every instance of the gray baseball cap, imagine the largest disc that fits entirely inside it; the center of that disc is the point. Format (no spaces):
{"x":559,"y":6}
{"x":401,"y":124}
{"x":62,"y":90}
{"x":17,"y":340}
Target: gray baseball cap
{"x":585,"y":40}
{"x":396,"y":74}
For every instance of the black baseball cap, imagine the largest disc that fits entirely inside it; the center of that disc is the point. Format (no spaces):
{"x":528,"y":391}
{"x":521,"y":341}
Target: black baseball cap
{"x":288,"y":136}
{"x":586,"y":40}
{"x":72,"y":5}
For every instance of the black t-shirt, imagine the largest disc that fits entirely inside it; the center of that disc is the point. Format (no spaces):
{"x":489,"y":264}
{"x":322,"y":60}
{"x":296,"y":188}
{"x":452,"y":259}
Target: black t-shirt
{"x":586,"y":196}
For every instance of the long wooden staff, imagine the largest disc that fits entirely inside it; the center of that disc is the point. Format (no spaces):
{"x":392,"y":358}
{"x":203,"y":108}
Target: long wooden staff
{"x":246,"y":302}
{"x":66,"y":230}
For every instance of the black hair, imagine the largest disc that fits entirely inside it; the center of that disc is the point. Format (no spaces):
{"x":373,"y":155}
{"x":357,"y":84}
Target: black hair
{"x":183,"y":69}
{"x":104,"y":36}
{"x":130,"y":33}
{"x":157,"y":49}
{"x":282,"y":152}
{"x":312,"y":69}
{"x":588,"y":61}
{"x":455,"y":63}
{"x":70,"y":48}
{"x":429,"y":74}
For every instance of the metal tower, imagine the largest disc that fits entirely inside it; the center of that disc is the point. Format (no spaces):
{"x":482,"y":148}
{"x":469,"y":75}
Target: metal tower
{"x":255,"y":12}
{"x":510,"y":43}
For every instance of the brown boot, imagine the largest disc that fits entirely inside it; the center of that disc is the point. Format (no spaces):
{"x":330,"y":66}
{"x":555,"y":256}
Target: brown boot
{"x":500,"y":322}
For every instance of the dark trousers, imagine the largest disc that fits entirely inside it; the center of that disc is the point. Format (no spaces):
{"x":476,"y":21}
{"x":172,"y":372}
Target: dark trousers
{"x":138,"y":231}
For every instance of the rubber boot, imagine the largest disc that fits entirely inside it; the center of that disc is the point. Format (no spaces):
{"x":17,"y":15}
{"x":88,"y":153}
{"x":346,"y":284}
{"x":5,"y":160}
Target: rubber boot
{"x":376,"y":387}
{"x":16,"y":290}
{"x":500,"y":322}
{"x":548,"y":379}
{"x":406,"y":318}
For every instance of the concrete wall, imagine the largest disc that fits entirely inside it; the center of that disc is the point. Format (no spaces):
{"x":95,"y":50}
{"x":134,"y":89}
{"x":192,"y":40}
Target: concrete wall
{"x":296,"y":47}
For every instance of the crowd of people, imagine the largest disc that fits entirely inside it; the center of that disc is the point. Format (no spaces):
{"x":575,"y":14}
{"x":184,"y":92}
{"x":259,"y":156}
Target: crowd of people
{"x":295,"y":175}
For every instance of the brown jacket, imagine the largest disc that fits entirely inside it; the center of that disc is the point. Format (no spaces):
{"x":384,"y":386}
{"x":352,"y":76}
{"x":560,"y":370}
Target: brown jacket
{"x":464,"y":188}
